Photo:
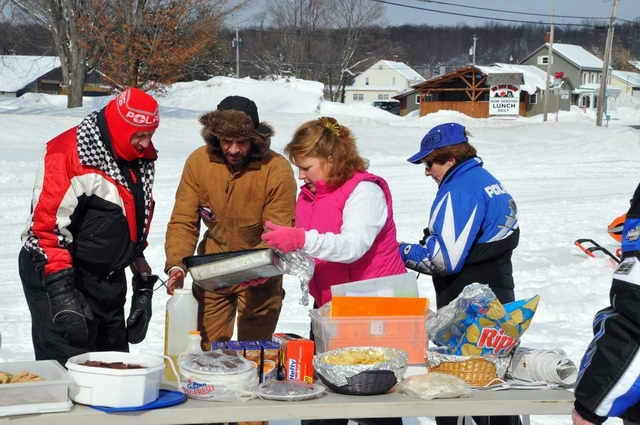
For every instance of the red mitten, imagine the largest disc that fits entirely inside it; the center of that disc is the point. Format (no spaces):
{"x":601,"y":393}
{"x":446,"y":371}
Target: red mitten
{"x":283,"y":238}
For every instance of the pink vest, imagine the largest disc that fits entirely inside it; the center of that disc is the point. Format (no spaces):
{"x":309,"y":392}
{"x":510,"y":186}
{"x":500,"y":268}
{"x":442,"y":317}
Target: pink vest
{"x":322,"y":211}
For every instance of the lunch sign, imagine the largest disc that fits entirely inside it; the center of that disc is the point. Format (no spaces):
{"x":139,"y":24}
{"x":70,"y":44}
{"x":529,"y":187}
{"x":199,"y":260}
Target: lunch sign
{"x":504,"y":99}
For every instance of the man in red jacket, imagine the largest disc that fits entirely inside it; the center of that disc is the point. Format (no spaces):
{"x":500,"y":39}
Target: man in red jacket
{"x":90,"y":215}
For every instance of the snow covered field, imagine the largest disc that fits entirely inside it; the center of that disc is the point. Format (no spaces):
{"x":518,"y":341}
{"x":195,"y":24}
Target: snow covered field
{"x":569,"y":179}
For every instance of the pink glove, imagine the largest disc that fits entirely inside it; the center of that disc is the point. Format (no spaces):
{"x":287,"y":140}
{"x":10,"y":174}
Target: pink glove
{"x":283,"y":238}
{"x":255,"y":282}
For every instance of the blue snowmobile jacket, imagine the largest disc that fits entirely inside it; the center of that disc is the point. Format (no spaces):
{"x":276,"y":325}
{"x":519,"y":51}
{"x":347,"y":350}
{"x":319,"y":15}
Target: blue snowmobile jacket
{"x":609,"y":379}
{"x":472,"y":231}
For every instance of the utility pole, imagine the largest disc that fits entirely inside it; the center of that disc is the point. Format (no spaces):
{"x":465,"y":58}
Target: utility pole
{"x":602,"y":93}
{"x":236,"y":43}
{"x":549,"y":62}
{"x":474,"y":49}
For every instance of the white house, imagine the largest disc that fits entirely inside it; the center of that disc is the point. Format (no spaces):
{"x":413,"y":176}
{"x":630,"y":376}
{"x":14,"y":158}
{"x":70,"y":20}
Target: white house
{"x":381,"y":81}
{"x":627,"y":82}
{"x":17,"y":72}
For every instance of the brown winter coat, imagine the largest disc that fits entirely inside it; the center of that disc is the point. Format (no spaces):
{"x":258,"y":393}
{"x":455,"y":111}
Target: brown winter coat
{"x":240,"y":203}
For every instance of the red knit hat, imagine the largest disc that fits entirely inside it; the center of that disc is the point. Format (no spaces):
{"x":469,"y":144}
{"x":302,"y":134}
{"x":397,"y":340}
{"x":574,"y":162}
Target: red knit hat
{"x":132,"y":111}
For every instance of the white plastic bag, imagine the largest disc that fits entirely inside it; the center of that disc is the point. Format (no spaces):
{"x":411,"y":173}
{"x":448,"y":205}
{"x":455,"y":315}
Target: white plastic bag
{"x":434,"y":385}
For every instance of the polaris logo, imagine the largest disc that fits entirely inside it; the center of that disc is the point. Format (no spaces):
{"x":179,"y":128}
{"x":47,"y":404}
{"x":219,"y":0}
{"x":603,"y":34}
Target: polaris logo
{"x":494,"y":189}
{"x":633,"y":234}
{"x":141,"y":119}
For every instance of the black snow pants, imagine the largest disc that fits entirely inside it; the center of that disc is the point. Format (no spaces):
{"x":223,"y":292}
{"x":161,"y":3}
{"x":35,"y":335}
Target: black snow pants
{"x":105,"y":295}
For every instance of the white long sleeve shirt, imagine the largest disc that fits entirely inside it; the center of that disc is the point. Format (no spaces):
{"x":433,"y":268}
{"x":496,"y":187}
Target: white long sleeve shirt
{"x":363,"y":217}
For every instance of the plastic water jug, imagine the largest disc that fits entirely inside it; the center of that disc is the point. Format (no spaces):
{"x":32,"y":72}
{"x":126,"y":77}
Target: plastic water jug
{"x":181,"y":318}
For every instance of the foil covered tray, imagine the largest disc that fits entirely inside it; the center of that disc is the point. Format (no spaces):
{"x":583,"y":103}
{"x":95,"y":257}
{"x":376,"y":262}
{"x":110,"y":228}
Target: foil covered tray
{"x":214,"y":271}
{"x":336,"y":368}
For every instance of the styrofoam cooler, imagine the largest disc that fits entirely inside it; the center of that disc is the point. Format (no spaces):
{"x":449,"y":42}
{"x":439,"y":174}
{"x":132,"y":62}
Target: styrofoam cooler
{"x":101,"y":386}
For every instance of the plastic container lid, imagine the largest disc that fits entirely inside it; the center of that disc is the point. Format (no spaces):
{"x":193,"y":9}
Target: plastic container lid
{"x":289,"y":390}
{"x":216,"y":362}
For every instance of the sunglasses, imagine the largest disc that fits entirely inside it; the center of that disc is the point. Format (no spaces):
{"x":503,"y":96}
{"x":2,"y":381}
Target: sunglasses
{"x":428,"y":164}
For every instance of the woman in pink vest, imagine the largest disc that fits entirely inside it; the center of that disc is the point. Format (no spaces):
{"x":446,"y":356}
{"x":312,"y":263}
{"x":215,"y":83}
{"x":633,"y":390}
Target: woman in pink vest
{"x":344,"y":215}
{"x":344,"y":219}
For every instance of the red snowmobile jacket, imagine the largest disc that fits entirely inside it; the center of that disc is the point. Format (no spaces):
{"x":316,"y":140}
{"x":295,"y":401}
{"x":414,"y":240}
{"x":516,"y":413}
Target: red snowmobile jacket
{"x":88,"y":206}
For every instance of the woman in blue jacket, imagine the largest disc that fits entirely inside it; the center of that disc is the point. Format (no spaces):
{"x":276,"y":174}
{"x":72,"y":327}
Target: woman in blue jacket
{"x":472,"y":229}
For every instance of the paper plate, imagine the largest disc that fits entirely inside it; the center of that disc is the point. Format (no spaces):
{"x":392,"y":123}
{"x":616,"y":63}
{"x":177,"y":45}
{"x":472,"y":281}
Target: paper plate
{"x":166,"y":398}
{"x":289,"y":390}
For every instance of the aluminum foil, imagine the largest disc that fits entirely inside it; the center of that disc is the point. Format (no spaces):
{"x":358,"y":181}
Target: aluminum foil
{"x":455,"y":310}
{"x":338,"y":374}
{"x":216,"y":362}
{"x":435,"y":357}
{"x":302,"y":266}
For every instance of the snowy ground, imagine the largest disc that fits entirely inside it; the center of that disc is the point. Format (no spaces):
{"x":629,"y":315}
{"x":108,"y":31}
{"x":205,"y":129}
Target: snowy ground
{"x":569,"y":179}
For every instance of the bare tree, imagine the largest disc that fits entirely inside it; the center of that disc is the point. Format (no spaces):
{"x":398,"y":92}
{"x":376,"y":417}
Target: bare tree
{"x":352,"y":17}
{"x":150,"y":39}
{"x":63,"y":19}
{"x":298,"y":22}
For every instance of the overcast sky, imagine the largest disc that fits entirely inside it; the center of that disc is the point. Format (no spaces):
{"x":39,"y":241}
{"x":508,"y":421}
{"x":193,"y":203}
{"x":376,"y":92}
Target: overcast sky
{"x":397,"y":15}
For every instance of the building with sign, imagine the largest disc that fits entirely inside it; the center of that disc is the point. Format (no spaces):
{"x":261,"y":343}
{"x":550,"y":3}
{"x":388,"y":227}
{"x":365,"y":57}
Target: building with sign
{"x":582,"y":71}
{"x":484,"y":91}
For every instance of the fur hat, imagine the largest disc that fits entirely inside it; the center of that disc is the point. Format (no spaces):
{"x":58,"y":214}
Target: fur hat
{"x":235,"y":117}
{"x":131,"y":112}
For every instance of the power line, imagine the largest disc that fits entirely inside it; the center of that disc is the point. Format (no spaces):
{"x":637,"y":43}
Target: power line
{"x":514,"y":12}
{"x":478,"y":16}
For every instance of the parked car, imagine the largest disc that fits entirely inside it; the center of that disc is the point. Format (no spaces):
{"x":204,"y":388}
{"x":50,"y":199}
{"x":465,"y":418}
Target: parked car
{"x":392,"y":106}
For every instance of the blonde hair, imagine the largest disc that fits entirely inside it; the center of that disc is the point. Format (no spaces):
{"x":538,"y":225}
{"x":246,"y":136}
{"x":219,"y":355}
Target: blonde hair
{"x":324,"y":138}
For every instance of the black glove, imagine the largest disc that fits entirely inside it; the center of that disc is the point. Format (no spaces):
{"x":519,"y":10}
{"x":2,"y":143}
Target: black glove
{"x":425,"y":234}
{"x":69,"y":308}
{"x":140,"y":314}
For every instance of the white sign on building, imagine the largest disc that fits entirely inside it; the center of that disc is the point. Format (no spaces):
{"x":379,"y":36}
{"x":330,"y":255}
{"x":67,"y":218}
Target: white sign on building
{"x":504,"y":99}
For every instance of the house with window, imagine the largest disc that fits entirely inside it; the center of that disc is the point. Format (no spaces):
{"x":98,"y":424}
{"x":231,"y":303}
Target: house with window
{"x":580,"y":70}
{"x":381,"y":82}
{"x":42,"y":74}
{"x":484,"y":91}
{"x":627,"y":82}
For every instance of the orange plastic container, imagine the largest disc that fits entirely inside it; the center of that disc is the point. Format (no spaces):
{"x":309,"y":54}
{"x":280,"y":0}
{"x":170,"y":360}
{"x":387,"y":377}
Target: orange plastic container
{"x":377,"y":306}
{"x":407,"y":333}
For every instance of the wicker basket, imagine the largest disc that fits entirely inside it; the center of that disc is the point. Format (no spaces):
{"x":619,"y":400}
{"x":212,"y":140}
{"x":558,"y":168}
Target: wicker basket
{"x":475,"y":371}
{"x":368,"y":382}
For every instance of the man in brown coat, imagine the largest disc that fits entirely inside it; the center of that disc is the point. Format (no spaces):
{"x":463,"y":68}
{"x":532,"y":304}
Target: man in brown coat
{"x":233,"y":185}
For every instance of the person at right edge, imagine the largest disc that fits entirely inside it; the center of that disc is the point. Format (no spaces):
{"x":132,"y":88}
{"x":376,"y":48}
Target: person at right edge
{"x":472,"y":231}
{"x":609,"y":378}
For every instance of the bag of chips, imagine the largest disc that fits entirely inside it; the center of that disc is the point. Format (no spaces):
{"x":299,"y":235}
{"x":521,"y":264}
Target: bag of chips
{"x":476,"y":323}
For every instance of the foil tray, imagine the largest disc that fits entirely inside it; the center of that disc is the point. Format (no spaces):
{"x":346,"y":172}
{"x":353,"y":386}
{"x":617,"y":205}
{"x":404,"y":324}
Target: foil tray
{"x":214,"y":271}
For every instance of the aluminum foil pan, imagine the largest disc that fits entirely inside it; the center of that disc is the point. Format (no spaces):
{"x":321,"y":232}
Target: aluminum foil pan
{"x":214,"y":271}
{"x":392,"y":359}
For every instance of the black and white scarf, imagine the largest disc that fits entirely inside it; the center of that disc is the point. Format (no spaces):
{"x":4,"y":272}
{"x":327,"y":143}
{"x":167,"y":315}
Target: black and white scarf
{"x":93,"y":152}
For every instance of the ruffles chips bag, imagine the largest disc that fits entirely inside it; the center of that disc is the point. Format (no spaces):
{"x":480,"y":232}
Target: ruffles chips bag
{"x":476,"y":323}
